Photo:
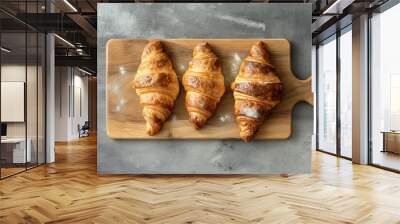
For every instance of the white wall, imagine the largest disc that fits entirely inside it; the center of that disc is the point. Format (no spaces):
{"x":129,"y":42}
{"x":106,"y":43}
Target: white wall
{"x":79,"y":117}
{"x":70,"y":83}
{"x":61,"y":103}
{"x":16,"y":73}
{"x":12,"y":73}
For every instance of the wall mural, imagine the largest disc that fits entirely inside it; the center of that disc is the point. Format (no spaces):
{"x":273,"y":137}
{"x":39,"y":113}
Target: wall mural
{"x":220,"y":88}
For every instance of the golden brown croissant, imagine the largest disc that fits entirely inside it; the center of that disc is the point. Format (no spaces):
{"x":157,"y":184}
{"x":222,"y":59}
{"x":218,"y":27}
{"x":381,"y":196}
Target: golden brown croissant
{"x":257,"y":90}
{"x":157,"y":85}
{"x":204,"y":85}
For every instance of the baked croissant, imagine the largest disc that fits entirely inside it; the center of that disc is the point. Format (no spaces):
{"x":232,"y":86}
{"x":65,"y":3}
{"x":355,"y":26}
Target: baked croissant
{"x":157,"y":85}
{"x":204,"y":85}
{"x":257,"y":90}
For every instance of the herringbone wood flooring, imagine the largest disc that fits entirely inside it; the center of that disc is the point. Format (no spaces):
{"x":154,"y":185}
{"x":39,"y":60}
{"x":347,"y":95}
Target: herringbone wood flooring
{"x":70,"y":191}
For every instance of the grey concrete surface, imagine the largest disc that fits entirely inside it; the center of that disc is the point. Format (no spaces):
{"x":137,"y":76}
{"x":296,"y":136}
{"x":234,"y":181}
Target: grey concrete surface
{"x":159,"y":20}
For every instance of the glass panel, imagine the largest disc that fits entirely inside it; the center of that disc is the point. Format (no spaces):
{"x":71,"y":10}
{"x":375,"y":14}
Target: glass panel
{"x":346,"y":94}
{"x":31,"y":98}
{"x":327,"y":96}
{"x":41,"y":99}
{"x":23,"y":91}
{"x":385,"y":84}
{"x":31,"y":87}
{"x":13,"y":87}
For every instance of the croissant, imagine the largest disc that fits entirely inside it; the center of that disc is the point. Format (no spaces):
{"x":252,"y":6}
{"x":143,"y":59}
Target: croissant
{"x":257,"y":90}
{"x":204,"y":85}
{"x":157,"y":85}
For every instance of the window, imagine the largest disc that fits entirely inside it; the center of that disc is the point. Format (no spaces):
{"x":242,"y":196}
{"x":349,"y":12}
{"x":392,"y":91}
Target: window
{"x":346,"y":92}
{"x":385,"y":89}
{"x":334,"y":106}
{"x":394,"y":119}
{"x":327,"y":95}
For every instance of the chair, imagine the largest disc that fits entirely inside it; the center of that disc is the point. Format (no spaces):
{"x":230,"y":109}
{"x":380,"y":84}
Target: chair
{"x":84,"y":130}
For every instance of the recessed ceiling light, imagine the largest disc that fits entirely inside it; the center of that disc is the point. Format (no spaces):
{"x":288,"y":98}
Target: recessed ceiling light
{"x":5,"y":50}
{"x":337,"y":7}
{"x":64,"y":40}
{"x":84,"y":71}
{"x":70,"y":5}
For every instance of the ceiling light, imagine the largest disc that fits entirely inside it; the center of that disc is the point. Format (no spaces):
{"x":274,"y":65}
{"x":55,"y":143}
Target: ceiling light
{"x":338,"y":6}
{"x":5,"y":50}
{"x":65,"y":41}
{"x":84,"y":71}
{"x":80,"y":51}
{"x":70,"y":5}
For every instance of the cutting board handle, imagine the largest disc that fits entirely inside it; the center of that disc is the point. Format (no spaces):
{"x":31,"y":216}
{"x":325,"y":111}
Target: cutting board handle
{"x":301,"y":92}
{"x":308,"y":97}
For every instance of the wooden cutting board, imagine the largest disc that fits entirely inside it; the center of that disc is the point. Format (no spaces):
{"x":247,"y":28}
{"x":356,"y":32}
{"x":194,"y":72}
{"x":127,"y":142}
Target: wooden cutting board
{"x":124,"y":113}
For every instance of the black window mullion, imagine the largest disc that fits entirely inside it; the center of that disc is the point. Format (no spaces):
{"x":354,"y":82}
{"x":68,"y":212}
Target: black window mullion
{"x":37,"y":90}
{"x":338,"y":74}
{"x":369,"y":95}
{"x":73,"y":92}
{"x":45,"y":93}
{"x":26,"y":87}
{"x":317,"y":96}
{"x":0,"y":97}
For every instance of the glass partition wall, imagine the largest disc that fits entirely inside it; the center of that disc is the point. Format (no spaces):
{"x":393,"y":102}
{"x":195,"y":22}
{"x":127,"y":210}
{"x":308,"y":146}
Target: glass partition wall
{"x":13,"y":86}
{"x":334,"y":93}
{"x":22,"y":98}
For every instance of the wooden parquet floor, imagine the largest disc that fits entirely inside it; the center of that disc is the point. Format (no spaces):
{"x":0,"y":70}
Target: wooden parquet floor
{"x":70,"y":191}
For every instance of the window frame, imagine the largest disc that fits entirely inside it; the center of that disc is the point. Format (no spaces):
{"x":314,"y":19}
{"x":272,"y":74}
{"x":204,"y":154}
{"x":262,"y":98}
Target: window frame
{"x":381,"y":9}
{"x":337,"y":34}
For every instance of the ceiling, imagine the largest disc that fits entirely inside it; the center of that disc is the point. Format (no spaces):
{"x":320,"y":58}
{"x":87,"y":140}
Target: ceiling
{"x":76,"y":21}
{"x":19,"y":54}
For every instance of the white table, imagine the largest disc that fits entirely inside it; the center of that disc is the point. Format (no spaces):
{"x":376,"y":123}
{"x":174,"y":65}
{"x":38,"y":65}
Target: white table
{"x":19,"y":155}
